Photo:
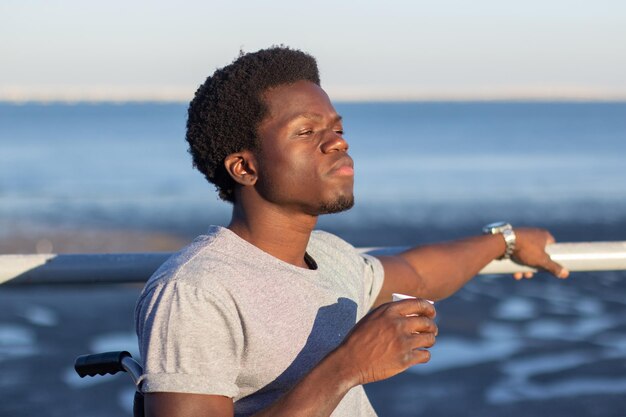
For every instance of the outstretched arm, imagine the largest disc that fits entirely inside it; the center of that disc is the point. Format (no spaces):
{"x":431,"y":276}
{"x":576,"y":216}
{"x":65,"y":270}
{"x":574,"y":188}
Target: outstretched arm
{"x":439,"y":270}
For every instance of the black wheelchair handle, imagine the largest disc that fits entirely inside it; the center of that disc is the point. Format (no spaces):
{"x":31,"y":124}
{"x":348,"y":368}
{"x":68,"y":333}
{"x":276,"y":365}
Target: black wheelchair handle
{"x":100,"y":363}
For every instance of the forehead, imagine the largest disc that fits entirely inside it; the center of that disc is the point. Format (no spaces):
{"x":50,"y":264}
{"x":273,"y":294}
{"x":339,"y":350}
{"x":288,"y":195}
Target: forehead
{"x":303,"y":98}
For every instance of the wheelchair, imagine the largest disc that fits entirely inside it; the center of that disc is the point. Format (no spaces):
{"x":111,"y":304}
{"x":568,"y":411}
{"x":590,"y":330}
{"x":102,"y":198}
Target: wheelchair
{"x":111,"y":363}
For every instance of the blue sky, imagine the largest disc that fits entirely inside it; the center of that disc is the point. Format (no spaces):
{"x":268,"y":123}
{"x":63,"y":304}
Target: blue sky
{"x":445,"y":49}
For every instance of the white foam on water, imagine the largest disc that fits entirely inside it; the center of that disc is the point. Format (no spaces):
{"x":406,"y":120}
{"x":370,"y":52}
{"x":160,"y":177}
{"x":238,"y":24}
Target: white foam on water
{"x":557,"y":300}
{"x":577,"y":330}
{"x":40,"y":316}
{"x":589,"y":306}
{"x":516,"y":308}
{"x":498,"y":331}
{"x":456,"y":352}
{"x":16,"y":342}
{"x":525,"y":368}
{"x":116,"y":341}
{"x":510,"y":393}
{"x":481,"y":288}
{"x":552,"y":293}
{"x":15,"y":335}
{"x":614,"y":344}
{"x":520,"y":386}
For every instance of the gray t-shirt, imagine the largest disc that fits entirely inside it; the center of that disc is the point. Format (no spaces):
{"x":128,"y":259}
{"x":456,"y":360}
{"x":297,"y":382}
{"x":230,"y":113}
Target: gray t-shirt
{"x":223,"y":317}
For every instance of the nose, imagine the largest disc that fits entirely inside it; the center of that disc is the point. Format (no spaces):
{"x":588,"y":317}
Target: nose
{"x":334,"y":142}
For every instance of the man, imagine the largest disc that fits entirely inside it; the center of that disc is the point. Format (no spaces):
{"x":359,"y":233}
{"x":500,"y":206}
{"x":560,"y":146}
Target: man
{"x":266,"y":317}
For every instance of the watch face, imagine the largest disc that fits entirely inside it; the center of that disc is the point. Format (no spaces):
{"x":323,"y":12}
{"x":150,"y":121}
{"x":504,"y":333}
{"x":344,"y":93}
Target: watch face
{"x":496,"y":225}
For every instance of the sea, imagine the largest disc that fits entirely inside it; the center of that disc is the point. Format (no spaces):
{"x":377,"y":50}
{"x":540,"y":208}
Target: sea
{"x":424,"y":172}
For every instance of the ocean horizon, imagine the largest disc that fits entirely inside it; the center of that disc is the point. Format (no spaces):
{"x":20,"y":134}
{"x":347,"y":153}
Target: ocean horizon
{"x":433,"y":164}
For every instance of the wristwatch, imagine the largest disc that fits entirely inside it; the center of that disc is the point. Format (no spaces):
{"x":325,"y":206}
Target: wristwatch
{"x":507,"y":233}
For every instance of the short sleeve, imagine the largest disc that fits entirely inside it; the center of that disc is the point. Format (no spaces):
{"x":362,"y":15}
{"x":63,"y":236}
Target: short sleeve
{"x":373,"y":275}
{"x":190,"y":340}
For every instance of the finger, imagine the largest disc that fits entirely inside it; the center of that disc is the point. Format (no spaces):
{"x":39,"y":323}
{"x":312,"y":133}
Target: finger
{"x":528,"y":275}
{"x":555,"y":269}
{"x":423,"y":340}
{"x":416,"y":306}
{"x":517,"y":276}
{"x":421,"y":324}
{"x":420,"y":356}
{"x":550,"y":239}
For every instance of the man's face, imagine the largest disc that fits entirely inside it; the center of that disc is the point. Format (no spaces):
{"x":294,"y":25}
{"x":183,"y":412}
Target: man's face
{"x":303,"y":160}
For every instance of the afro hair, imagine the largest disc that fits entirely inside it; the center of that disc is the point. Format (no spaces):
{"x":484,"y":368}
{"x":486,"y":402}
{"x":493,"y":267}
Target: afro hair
{"x":227,"y":109}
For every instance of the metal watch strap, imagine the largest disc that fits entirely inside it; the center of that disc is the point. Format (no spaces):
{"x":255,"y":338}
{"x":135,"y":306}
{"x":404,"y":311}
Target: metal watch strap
{"x":507,"y":232}
{"x":509,"y":239}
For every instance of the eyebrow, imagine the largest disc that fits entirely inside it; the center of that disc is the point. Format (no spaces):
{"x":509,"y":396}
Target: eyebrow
{"x":316,"y":117}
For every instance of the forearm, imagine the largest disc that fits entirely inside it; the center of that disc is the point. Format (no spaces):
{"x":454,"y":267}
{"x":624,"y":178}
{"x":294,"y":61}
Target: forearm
{"x":443,"y":268}
{"x":437,"y":271}
{"x":317,"y":394}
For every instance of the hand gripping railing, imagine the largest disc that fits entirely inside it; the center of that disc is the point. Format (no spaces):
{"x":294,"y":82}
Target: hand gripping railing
{"x":137,"y":268}
{"x":587,"y":256}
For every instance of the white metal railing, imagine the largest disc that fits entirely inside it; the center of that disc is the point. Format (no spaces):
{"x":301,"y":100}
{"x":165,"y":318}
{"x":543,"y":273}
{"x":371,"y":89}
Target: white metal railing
{"x":137,"y":267}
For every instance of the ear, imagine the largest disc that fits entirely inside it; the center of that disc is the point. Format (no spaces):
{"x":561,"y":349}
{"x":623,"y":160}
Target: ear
{"x":241,"y":166}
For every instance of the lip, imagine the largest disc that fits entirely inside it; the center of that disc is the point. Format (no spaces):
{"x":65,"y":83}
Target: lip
{"x":343,"y":167}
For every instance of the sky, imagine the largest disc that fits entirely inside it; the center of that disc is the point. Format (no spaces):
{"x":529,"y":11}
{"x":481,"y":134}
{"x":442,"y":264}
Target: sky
{"x":116,"y":50}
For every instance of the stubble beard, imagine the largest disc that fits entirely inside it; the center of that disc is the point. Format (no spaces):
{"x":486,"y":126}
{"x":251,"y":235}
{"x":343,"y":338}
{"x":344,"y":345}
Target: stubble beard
{"x":343,"y":203}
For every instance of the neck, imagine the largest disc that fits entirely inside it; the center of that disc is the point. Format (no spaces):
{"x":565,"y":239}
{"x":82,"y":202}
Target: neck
{"x":283,"y":235}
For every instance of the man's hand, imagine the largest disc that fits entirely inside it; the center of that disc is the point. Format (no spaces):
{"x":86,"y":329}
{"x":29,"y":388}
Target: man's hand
{"x":388,"y":340}
{"x":530,"y":250}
